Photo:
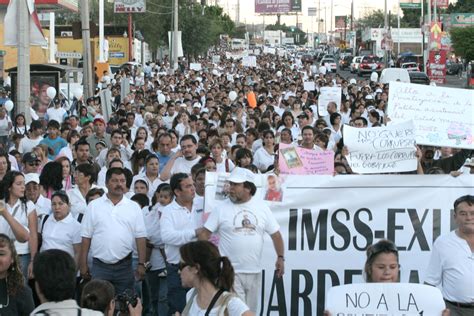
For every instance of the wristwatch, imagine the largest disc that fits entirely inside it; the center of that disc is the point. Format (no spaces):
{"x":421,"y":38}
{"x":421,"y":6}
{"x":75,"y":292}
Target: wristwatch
{"x":282,"y":258}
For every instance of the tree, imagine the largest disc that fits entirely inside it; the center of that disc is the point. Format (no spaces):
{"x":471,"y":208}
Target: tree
{"x":463,"y":47}
{"x":461,"y":6}
{"x":376,"y":20}
{"x":412,"y":17}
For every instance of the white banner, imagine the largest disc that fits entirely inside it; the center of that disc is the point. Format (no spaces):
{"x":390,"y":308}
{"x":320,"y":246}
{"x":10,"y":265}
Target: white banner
{"x":309,"y":85}
{"x":442,"y":116}
{"x":381,"y":149}
{"x":129,"y":6}
{"x":402,"y":299}
{"x":327,"y":223}
{"x":329,"y":94}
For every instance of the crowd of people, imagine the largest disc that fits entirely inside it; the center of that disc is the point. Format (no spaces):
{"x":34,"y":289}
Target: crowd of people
{"x":105,"y":202}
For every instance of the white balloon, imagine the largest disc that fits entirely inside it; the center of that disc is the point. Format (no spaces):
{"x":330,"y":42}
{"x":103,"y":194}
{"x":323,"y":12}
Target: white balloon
{"x":232,"y":96}
{"x":51,"y":92}
{"x":374,"y":77}
{"x":161,"y":98}
{"x":77,"y":93}
{"x":9,"y":105}
{"x":215,"y":72}
{"x":279,"y":73}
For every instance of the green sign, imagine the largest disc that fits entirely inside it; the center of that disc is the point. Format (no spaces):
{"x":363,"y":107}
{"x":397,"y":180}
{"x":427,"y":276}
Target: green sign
{"x":2,"y":53}
{"x":409,"y":5}
{"x":462,"y":19}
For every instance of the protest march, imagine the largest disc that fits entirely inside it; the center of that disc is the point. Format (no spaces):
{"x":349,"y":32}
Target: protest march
{"x":254,"y":184}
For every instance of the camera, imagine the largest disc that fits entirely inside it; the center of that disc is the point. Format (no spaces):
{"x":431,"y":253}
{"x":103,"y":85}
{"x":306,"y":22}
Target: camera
{"x":122,"y":300}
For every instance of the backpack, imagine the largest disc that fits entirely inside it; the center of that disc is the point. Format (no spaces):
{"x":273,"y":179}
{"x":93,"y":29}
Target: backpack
{"x":221,"y":302}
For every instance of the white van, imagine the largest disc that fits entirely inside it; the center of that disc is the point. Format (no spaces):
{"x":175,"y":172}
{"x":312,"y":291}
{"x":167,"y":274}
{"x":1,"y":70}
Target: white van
{"x":394,"y":74}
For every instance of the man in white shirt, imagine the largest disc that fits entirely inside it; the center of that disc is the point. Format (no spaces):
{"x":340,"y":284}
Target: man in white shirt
{"x":184,"y":160}
{"x":452,"y":261}
{"x":110,"y":226}
{"x":241,"y":222}
{"x":28,"y":143}
{"x":179,"y":223}
{"x":57,"y":113}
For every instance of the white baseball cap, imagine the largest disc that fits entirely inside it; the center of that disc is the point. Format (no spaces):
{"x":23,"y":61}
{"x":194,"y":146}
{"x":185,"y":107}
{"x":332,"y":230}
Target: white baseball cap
{"x":32,"y":177}
{"x":241,"y":175}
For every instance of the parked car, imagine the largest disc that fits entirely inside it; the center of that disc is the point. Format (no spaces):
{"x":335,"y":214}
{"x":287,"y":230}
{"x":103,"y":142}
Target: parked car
{"x":369,"y":64}
{"x":394,"y":74}
{"x":355,"y":64}
{"x":453,"y":68}
{"x":307,"y":58}
{"x":419,"y":77}
{"x":330,"y":63}
{"x":410,"y":66}
{"x":418,"y":59}
{"x":345,"y":62}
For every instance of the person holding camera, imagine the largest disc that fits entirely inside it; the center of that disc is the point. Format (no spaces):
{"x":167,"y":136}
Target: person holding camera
{"x":99,"y":295}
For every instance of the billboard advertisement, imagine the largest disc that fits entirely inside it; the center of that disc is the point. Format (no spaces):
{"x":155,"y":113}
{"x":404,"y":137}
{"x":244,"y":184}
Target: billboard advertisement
{"x":277,"y":6}
{"x":340,"y":21}
{"x":129,"y":6}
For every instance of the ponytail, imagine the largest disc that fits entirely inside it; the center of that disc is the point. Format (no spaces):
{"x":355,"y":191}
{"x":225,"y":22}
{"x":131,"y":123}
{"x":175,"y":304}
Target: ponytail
{"x":226,"y":276}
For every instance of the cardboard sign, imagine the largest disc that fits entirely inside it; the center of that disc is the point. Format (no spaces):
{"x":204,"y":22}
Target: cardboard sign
{"x":442,"y":116}
{"x":385,"y":299}
{"x":249,"y":61}
{"x":329,"y":94}
{"x":195,"y":66}
{"x":381,"y":149}
{"x":297,"y":160}
{"x":309,"y":86}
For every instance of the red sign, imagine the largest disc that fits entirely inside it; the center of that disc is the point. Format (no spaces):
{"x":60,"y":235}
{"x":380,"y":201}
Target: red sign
{"x":441,"y":3}
{"x":437,"y":66}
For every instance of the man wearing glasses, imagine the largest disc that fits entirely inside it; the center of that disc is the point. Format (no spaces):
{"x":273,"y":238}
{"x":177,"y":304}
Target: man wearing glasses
{"x":30,"y":162}
{"x":452,"y":261}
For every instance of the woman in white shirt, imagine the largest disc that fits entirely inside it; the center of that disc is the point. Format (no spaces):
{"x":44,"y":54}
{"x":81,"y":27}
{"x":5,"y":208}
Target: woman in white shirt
{"x":20,"y":127}
{"x":211,"y":278}
{"x":264,"y":157}
{"x":13,"y":191}
{"x":61,"y":230}
{"x":5,"y":127}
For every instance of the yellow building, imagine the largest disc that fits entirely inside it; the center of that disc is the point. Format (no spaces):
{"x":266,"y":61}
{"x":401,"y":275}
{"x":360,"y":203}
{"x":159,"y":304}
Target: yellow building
{"x":118,"y":48}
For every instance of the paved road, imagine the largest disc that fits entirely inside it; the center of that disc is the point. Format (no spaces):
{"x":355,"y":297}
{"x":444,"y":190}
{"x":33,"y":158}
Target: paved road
{"x":451,"y":81}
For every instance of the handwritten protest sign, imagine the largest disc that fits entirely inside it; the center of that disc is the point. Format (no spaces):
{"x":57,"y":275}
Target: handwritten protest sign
{"x":328,"y":94}
{"x":381,"y":149}
{"x":309,"y":86}
{"x":442,"y":116}
{"x":216,"y":59}
{"x":195,"y":66}
{"x":385,"y":299}
{"x":249,"y":61}
{"x":296,"y":160}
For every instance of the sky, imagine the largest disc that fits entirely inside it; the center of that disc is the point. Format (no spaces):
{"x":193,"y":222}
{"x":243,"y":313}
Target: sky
{"x":340,"y":7}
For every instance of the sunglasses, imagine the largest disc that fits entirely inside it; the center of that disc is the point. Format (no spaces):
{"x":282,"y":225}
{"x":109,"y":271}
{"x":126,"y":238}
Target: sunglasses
{"x":382,"y":246}
{"x":34,"y":163}
{"x":182,"y":265}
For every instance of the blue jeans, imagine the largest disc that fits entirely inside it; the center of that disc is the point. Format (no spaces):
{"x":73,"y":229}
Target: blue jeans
{"x":142,"y":290}
{"x":24,"y":262}
{"x":176,"y":292}
{"x":158,"y":292}
{"x":119,"y":274}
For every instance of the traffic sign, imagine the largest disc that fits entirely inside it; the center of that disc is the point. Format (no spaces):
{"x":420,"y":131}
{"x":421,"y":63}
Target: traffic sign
{"x":72,"y":55}
{"x":409,"y":5}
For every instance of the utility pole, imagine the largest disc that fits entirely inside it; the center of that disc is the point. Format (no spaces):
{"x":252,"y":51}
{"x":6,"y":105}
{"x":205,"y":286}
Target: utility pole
{"x":86,"y":43}
{"x":52,"y":47}
{"x":174,"y":57}
{"x":23,"y":76}
{"x":101,"y":31}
